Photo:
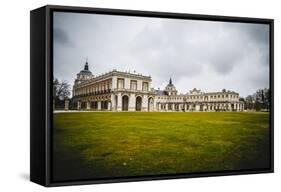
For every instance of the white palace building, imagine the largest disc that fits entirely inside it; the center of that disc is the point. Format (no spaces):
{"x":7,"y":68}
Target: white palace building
{"x":125,"y":91}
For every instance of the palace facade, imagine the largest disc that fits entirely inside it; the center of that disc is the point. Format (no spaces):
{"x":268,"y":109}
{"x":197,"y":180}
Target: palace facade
{"x":125,"y":91}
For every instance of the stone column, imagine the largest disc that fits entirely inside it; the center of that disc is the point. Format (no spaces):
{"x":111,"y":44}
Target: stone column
{"x":99,"y":105}
{"x":78,"y":105}
{"x":132,"y":102}
{"x":166,"y":106}
{"x":113,"y":104}
{"x":173,"y":106}
{"x":144,"y":103}
{"x":119,"y":102}
{"x":66,"y":105}
{"x":109,"y":106}
{"x":114,"y":82}
{"x":197,"y":107}
{"x":88,"y":107}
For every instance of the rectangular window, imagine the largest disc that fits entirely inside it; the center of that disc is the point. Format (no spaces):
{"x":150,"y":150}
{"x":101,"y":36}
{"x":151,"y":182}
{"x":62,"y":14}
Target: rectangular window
{"x":145,"y":86}
{"x":120,"y":83}
{"x":133,"y":85}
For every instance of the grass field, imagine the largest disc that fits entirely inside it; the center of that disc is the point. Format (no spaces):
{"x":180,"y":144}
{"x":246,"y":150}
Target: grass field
{"x":110,"y":144}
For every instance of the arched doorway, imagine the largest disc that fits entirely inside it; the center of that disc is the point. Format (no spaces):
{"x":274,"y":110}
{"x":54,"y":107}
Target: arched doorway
{"x":83,"y":105}
{"x":138,"y":103}
{"x":192,"y":107}
{"x":105,"y":105}
{"x":177,"y":107}
{"x":150,"y":104}
{"x":109,"y":107}
{"x":125,"y":103}
{"x":94,"y":105}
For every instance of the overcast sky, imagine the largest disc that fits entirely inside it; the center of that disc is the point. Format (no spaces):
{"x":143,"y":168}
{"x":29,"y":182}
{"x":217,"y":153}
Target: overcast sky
{"x":206,"y":55}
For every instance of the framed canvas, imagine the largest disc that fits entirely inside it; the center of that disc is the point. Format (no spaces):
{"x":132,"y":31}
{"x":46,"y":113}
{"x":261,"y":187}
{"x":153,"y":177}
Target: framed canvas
{"x":122,"y":95}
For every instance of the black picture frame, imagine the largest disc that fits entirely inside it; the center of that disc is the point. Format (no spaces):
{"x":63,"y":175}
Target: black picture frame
{"x":41,"y":76}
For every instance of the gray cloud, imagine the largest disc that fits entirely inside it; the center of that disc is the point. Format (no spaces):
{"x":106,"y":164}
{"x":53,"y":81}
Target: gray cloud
{"x":60,"y":36}
{"x":203,"y":54}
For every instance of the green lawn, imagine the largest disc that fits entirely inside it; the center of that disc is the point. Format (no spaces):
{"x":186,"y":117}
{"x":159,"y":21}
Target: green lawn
{"x":111,"y":144}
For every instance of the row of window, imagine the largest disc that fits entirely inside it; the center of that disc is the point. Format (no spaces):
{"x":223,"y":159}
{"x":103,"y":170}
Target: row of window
{"x":133,"y":84}
{"x":176,"y":106}
{"x":171,"y":98}
{"x":200,"y":97}
{"x":107,"y":97}
{"x":95,"y":105}
{"x":95,"y":88}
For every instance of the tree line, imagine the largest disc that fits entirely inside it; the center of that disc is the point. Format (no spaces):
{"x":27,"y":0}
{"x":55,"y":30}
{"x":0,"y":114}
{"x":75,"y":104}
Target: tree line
{"x":258,"y":101}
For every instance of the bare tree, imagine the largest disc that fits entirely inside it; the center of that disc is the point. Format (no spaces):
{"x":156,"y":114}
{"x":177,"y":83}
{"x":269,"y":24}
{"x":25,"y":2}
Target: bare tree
{"x":268,"y":98}
{"x":61,"y":91}
{"x":260,"y":100}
